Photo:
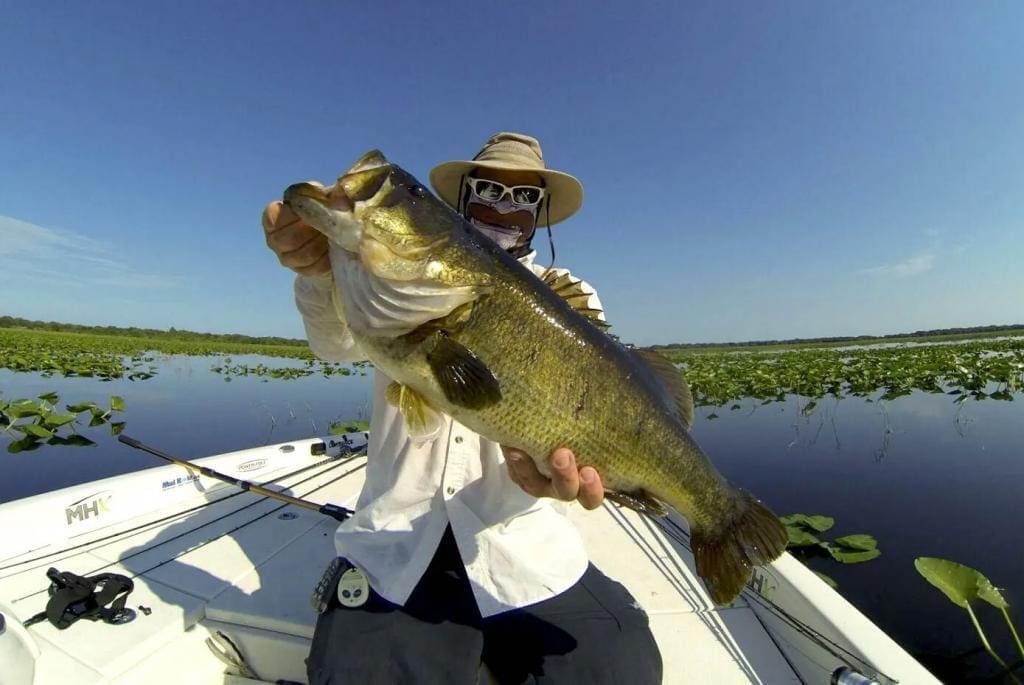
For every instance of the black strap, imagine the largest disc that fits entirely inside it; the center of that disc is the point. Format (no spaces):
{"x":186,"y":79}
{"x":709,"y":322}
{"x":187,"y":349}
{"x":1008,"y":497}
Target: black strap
{"x":73,"y":597}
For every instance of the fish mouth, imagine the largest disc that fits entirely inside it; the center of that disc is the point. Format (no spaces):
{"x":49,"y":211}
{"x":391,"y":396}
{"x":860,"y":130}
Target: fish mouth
{"x":309,"y":191}
{"x":334,"y":210}
{"x":328,"y":210}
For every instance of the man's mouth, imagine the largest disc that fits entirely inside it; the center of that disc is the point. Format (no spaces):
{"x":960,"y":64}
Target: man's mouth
{"x":505,"y":237}
{"x":499,"y":228}
{"x":481,"y":215}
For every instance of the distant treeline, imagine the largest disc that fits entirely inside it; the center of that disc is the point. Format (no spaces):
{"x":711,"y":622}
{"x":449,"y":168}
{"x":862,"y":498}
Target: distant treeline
{"x":853,"y":339}
{"x":170,"y":334}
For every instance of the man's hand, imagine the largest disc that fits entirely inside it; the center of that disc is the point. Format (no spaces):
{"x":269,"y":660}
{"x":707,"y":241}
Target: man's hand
{"x":567,"y":482}
{"x":297,"y":245}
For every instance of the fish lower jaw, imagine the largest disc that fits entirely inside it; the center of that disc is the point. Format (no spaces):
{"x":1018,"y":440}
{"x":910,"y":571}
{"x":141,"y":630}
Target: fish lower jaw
{"x":343,"y":229}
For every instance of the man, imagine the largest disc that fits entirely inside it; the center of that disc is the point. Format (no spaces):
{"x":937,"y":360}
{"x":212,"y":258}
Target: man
{"x":464,"y":555}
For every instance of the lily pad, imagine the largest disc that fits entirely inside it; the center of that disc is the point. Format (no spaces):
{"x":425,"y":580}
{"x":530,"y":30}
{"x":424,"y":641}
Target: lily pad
{"x":799,"y":537}
{"x":958,"y":582}
{"x":845,"y":555}
{"x":814,"y":522}
{"x":859,"y":542}
{"x":343,"y":427}
{"x":991,"y":594}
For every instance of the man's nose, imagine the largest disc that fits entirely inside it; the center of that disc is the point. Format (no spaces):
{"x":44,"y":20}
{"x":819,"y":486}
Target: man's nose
{"x":504,"y":203}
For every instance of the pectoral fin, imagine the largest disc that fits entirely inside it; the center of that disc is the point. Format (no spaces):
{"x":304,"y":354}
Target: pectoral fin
{"x":423,"y":422}
{"x":639,"y":500}
{"x":463,"y":377}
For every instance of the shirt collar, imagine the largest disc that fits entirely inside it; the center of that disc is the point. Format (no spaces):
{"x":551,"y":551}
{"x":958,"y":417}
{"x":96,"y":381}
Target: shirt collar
{"x":527,"y":259}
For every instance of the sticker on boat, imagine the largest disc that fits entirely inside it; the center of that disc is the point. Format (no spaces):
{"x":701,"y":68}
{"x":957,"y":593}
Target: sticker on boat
{"x":179,"y":481}
{"x":251,"y":465}
{"x":90,"y":506}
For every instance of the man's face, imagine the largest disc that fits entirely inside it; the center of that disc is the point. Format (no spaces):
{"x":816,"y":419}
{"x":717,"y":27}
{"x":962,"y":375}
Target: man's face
{"x":507,"y":223}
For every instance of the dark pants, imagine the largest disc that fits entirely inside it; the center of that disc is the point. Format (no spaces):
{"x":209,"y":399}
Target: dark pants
{"x":592,"y":633}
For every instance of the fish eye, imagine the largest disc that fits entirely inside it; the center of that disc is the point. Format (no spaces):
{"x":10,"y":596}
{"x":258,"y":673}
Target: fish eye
{"x":418,"y":191}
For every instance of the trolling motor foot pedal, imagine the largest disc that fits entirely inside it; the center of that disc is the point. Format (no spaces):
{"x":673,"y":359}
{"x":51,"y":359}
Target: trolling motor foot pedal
{"x":73,"y":597}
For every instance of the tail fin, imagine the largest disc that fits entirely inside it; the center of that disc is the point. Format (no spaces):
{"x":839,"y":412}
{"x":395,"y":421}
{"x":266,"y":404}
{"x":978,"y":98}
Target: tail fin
{"x":725,"y":556}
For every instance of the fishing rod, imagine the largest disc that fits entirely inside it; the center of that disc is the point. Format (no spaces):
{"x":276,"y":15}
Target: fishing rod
{"x":332,"y":510}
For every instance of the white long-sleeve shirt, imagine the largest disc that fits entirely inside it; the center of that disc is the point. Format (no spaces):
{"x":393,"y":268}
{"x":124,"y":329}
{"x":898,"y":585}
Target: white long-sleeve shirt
{"x":518,"y":549}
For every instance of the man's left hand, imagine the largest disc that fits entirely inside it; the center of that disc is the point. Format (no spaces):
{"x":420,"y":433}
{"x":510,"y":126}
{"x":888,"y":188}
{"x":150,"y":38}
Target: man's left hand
{"x":567,"y":482}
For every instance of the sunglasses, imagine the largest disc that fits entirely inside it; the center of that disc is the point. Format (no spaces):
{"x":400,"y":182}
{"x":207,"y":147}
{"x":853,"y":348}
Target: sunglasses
{"x":492,"y":191}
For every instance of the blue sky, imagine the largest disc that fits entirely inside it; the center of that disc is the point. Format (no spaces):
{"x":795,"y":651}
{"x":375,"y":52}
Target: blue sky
{"x":752,"y":170}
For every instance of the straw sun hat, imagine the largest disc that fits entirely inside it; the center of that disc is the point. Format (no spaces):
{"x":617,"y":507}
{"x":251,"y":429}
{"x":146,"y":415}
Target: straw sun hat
{"x":517,"y":152}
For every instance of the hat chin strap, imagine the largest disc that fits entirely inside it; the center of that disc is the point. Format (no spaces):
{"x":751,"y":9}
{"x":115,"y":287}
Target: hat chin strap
{"x":551,"y":240}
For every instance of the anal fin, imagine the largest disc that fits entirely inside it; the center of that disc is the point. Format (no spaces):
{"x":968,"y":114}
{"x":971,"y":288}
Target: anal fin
{"x":638,"y":500}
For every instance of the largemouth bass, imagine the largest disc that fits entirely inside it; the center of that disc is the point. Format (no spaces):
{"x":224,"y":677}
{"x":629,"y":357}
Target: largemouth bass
{"x":464,"y":329}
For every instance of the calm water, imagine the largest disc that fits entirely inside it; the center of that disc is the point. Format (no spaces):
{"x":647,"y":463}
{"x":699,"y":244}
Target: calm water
{"x":923,"y":476}
{"x":185,"y":410}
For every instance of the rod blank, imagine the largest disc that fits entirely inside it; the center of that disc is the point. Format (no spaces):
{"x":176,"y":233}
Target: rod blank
{"x":332,"y":510}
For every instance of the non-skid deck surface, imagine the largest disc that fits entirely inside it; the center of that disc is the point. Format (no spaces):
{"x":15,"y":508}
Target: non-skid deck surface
{"x":246,"y":566}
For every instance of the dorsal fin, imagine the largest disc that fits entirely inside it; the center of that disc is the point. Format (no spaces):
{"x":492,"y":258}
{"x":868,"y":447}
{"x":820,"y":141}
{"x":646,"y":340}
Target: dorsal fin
{"x":672,"y":378}
{"x":571,"y":290}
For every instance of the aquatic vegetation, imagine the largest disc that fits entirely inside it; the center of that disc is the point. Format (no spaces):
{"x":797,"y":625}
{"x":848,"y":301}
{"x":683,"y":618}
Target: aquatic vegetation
{"x":312,"y":366}
{"x":990,"y":369}
{"x":803,"y":531}
{"x":805,"y":544}
{"x":120,"y":356}
{"x":172,"y":333}
{"x":30,"y":423}
{"x":963,"y":585}
{"x":974,"y":370}
{"x":349,"y":426}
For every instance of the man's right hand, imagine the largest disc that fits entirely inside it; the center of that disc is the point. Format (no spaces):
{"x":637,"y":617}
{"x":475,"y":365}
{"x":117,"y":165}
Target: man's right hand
{"x":297,"y":245}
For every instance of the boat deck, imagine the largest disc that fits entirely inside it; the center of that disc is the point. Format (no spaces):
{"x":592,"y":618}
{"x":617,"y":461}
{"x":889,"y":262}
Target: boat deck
{"x":219,"y":559}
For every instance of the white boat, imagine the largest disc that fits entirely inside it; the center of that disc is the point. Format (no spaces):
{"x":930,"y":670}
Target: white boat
{"x":223,"y":579}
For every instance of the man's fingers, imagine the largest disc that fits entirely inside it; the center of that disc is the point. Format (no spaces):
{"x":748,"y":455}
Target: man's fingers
{"x":565,"y":477}
{"x":524,"y":473}
{"x":321,"y":266}
{"x":591,"y":488}
{"x":297,"y":245}
{"x":270,"y":214}
{"x":276,"y":215}
{"x":306,"y":254}
{"x":291,"y":237}
{"x":567,"y":482}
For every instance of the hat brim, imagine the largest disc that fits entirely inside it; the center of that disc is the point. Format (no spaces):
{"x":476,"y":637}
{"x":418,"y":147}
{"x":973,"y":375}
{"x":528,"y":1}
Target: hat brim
{"x":565,"y":192}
